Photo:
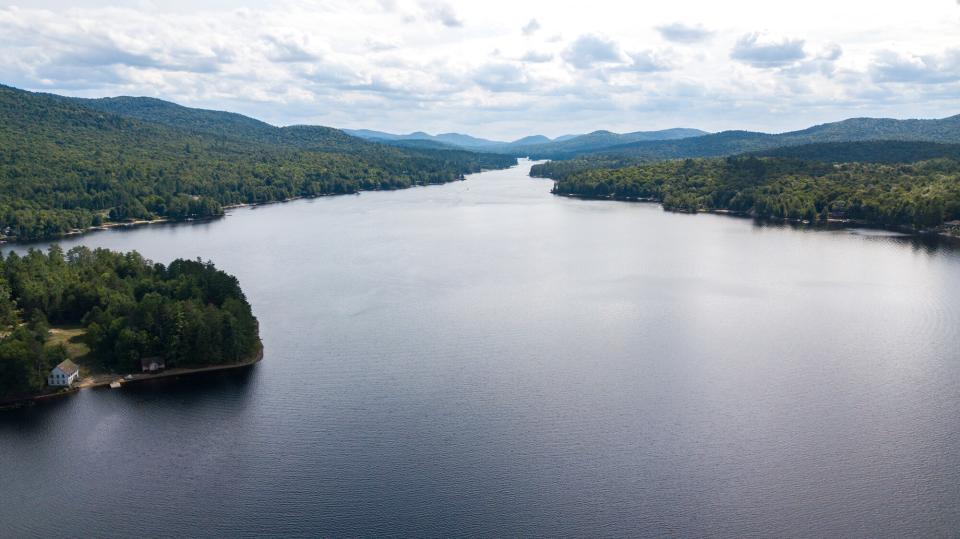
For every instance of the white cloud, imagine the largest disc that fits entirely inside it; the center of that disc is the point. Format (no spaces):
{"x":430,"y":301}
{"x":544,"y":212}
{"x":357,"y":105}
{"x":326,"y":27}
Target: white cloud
{"x":289,"y":50}
{"x":442,"y":12}
{"x":501,"y":77}
{"x":589,"y":50}
{"x":531,"y":27}
{"x":895,"y":67}
{"x":537,"y":57}
{"x":407,"y":65}
{"x":647,"y":62}
{"x":823,"y":63}
{"x":679,"y":32}
{"x":764,"y":53}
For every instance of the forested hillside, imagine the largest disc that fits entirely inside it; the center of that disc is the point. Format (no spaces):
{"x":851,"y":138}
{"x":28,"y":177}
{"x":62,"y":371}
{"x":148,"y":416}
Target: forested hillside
{"x":189,"y":313}
{"x":873,"y":151}
{"x":69,"y":163}
{"x":919,"y":195}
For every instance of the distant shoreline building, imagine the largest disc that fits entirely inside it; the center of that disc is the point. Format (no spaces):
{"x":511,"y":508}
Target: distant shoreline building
{"x":152,"y":364}
{"x":64,"y":374}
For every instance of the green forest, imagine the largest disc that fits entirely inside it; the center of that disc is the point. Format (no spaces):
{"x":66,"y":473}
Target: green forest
{"x":870,"y":151}
{"x":188,"y":312}
{"x":919,"y":195}
{"x":68,"y":164}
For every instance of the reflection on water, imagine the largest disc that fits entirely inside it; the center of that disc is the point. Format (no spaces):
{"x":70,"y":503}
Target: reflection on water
{"x":483,"y":358}
{"x":929,"y":243}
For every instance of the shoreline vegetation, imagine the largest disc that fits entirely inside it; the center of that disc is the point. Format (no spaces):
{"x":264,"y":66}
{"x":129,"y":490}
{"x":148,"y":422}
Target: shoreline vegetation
{"x":919,"y":198}
{"x":100,"y":380}
{"x":828,"y":224}
{"x":110,"y":313}
{"x":162,"y":220}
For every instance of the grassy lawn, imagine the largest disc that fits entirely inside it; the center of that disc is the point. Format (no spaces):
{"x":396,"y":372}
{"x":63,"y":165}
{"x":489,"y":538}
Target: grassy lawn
{"x":71,"y":337}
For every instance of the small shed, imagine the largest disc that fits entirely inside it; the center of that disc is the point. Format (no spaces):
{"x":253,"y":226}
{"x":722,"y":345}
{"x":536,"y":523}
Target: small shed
{"x":64,"y":374}
{"x":153,"y":364}
{"x":952,"y":225}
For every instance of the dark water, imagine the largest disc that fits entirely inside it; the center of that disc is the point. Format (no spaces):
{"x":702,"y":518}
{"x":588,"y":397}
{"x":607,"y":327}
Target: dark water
{"x":483,"y":358}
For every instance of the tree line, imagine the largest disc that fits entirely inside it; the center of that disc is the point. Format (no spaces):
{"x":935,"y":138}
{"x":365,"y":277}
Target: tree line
{"x":188,"y":313}
{"x":919,"y":195}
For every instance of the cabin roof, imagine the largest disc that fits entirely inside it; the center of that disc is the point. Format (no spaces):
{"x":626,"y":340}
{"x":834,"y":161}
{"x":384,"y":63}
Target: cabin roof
{"x":68,"y":367}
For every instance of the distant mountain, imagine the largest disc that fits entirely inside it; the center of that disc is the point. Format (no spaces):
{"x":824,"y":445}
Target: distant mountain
{"x":600,"y":140}
{"x":467,"y":142}
{"x":458,"y":140}
{"x":533,"y":139}
{"x":946,"y":130}
{"x":372,"y":135}
{"x":538,"y":145}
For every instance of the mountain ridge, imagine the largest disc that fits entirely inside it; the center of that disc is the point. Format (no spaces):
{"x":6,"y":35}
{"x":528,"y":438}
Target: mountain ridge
{"x":534,"y":143}
{"x":943,"y":130}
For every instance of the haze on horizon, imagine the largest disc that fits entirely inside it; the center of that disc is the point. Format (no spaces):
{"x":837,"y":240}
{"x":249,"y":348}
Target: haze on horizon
{"x":499,"y":69}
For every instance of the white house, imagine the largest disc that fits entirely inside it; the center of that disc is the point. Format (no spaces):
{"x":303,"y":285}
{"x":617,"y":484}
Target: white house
{"x":64,"y":374}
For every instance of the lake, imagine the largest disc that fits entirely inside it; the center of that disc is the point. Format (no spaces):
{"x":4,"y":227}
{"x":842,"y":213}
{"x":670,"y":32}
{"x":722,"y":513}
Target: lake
{"x":484,"y":358}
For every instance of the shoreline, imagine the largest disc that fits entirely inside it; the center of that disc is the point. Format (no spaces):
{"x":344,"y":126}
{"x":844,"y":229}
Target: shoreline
{"x":105,"y":380}
{"x":107,"y":226}
{"x":826,"y":225}
{"x":165,"y":220}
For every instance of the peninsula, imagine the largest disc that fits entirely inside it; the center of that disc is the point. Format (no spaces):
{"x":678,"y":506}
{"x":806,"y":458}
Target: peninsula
{"x":87,"y":317}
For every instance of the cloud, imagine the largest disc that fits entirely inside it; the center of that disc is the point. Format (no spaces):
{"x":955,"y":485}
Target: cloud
{"x":826,"y":60}
{"x":443,"y":13}
{"x":395,"y":65}
{"x":106,"y":54}
{"x":531,"y":27}
{"x":535,"y":57}
{"x":288,"y":50}
{"x":647,"y":62}
{"x":767,"y":54}
{"x":823,"y":63}
{"x":589,"y":50}
{"x":374,"y":45}
{"x":889,"y":66}
{"x":501,"y":77}
{"x":682,"y":33}
{"x":833,"y":52}
{"x":100,"y":51}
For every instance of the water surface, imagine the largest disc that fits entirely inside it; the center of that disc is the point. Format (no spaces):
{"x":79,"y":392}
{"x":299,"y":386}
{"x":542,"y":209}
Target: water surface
{"x":483,"y":358}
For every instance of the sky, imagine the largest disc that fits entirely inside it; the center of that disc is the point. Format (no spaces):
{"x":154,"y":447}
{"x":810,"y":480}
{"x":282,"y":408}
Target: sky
{"x":500,"y":69}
